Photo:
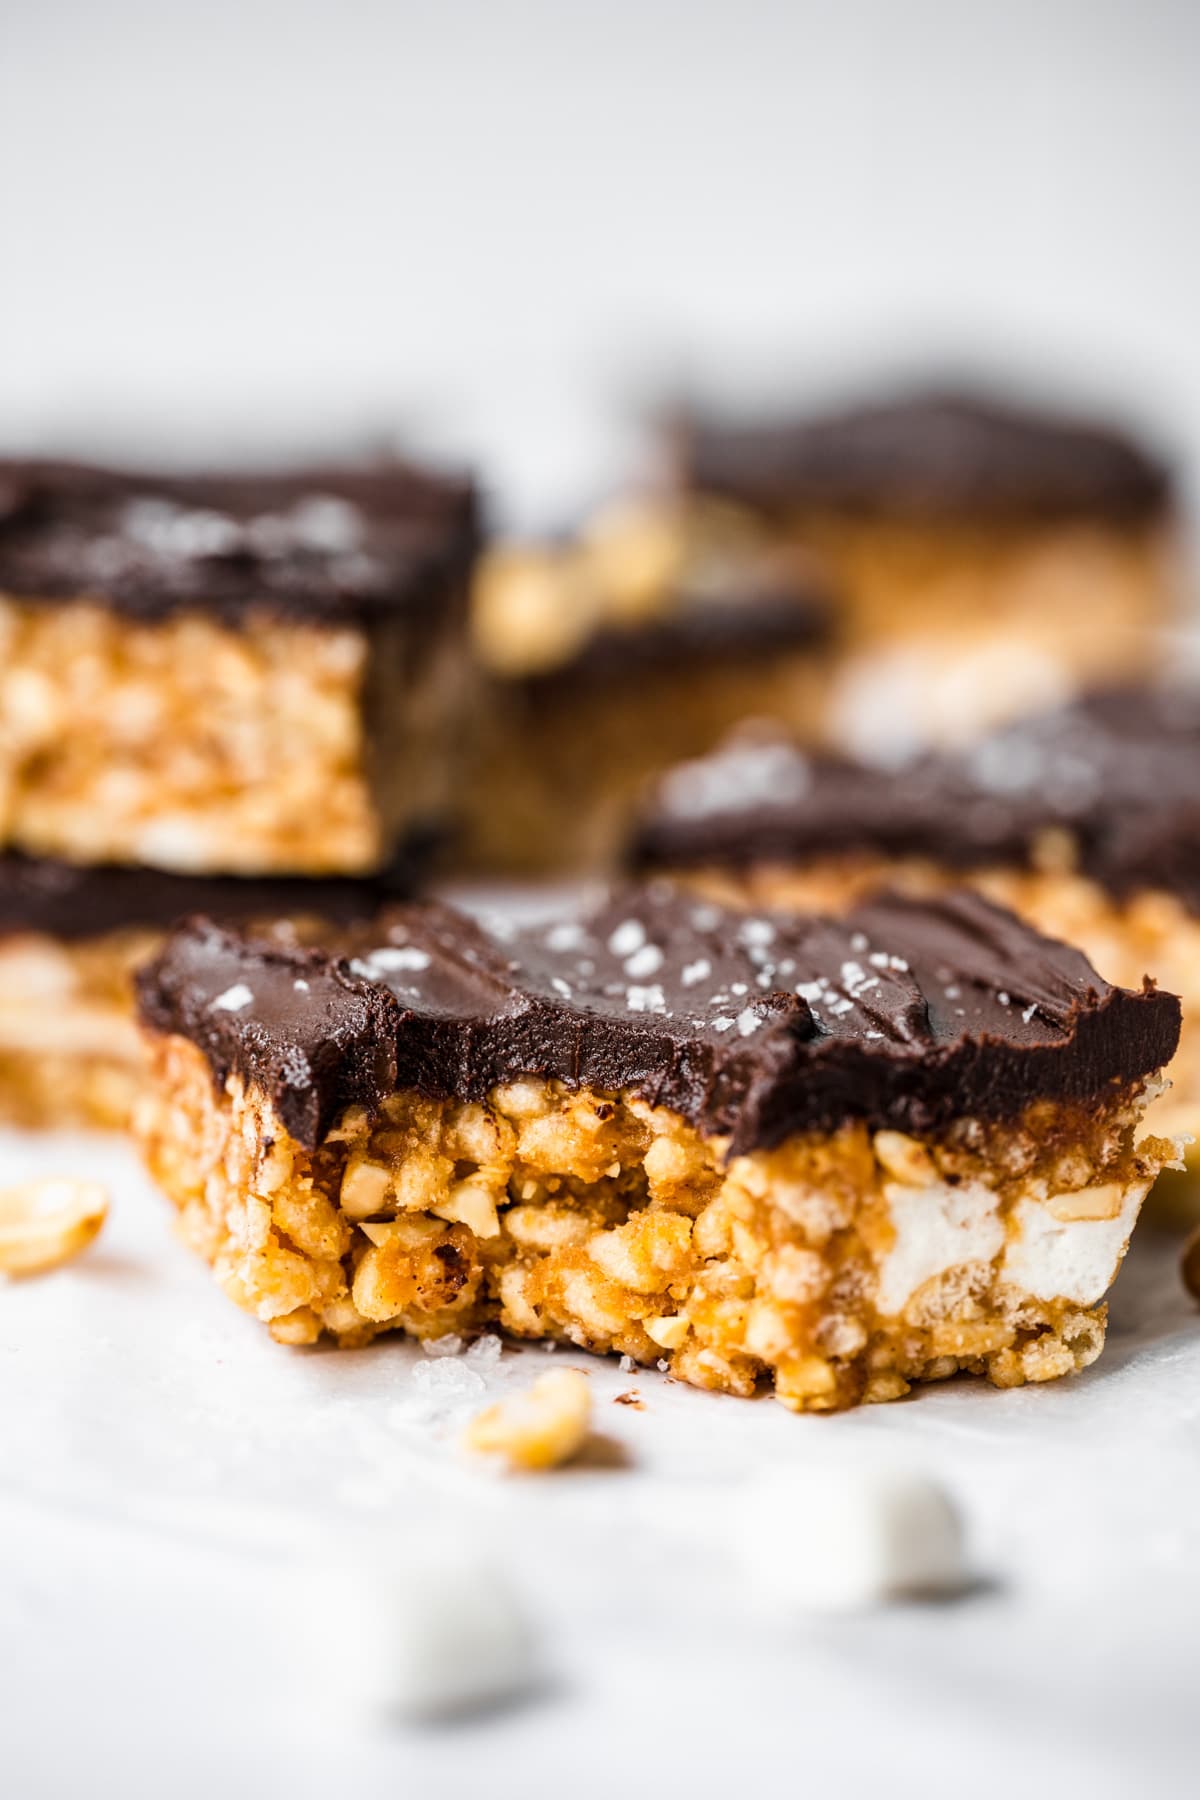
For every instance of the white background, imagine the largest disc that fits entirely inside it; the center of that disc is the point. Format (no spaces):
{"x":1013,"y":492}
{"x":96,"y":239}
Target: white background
{"x":501,"y":224}
{"x":502,"y":228}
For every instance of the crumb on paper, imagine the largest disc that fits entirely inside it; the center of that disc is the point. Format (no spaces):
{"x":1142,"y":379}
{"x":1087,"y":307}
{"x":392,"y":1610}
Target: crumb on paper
{"x":44,"y":1223}
{"x":541,"y":1427}
{"x":630,"y":1398}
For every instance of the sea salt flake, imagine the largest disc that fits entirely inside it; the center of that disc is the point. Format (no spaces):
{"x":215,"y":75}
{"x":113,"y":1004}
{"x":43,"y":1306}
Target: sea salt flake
{"x":748,"y":1021}
{"x":234,"y":999}
{"x":627,"y":938}
{"x":695,"y":971}
{"x":757,"y":932}
{"x":391,"y":957}
{"x":485,"y":1352}
{"x":646,"y":961}
{"x":724,"y":1023}
{"x":447,"y":1378}
{"x":567,"y":936}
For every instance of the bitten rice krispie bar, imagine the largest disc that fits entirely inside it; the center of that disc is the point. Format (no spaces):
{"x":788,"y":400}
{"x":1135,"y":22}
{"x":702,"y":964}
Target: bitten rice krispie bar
{"x":831,"y":1157}
{"x":1085,"y":820}
{"x":990,"y":557}
{"x":245,"y":674}
{"x":70,"y":940}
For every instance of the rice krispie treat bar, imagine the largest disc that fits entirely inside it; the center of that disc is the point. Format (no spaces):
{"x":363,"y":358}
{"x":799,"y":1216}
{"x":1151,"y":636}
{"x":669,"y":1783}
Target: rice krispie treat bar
{"x":245,"y":674}
{"x":70,"y":940}
{"x":1085,"y":820}
{"x":989,"y":556}
{"x":832,"y":1157}
{"x":566,"y":746}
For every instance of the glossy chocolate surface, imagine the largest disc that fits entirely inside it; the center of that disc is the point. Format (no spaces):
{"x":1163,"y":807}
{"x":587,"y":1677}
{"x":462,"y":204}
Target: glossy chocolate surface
{"x":749,"y":1026}
{"x":73,"y":902}
{"x":1117,"y":771}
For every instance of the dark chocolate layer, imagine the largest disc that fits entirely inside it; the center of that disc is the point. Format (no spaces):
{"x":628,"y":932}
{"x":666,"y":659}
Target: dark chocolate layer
{"x":1117,"y":770}
{"x":327,"y":543}
{"x":747,"y":625}
{"x":937,"y":454}
{"x":753,"y":1026}
{"x":68,"y":901}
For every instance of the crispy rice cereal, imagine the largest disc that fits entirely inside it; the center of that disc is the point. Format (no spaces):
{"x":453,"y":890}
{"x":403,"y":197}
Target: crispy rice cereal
{"x":836,"y":1269}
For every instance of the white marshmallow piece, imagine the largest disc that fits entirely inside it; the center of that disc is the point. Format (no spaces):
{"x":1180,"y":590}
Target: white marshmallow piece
{"x":844,"y":1537}
{"x":438,"y":1636}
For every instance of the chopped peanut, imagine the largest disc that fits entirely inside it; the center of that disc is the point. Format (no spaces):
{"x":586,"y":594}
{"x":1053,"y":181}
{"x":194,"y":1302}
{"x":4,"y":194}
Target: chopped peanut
{"x":45,"y":1223}
{"x":539,"y":1429}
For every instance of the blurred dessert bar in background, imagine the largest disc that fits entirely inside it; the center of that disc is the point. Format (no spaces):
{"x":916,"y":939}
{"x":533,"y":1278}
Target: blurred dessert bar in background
{"x":989,"y":557}
{"x":1085,"y":820}
{"x":238,"y":673}
{"x":70,"y":940}
{"x":608,"y":657}
{"x":829,"y":1157}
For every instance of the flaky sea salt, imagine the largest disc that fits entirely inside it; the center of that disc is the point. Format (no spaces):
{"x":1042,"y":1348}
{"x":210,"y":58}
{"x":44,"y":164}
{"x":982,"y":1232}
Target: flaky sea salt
{"x":234,"y":999}
{"x":439,"y":1389}
{"x":627,"y":938}
{"x":485,"y":1352}
{"x":393,"y":957}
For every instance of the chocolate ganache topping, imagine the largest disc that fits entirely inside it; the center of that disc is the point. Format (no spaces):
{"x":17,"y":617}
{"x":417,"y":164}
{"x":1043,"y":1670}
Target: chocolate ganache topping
{"x":73,"y":901}
{"x":1116,"y":771}
{"x":749,"y":623}
{"x":750,"y":1026}
{"x":929,"y":454}
{"x":327,"y":543}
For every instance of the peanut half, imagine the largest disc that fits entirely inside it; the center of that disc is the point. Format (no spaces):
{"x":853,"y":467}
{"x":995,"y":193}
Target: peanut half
{"x":537,"y":1429}
{"x":46,"y":1222}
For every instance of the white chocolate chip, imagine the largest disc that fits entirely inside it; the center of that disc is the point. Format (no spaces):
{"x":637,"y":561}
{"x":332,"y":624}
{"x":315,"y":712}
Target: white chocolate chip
{"x":430,"y":1635}
{"x":837,"y":1538}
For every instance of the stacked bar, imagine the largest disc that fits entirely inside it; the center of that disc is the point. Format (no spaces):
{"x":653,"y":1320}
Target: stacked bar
{"x":1085,"y":820}
{"x":988,"y":555}
{"x":229,"y":692}
{"x":610,"y":657}
{"x":834,"y":1157}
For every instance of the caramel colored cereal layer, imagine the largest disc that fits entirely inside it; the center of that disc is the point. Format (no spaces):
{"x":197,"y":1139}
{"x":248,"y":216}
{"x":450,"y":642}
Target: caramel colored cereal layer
{"x":834,"y":1269}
